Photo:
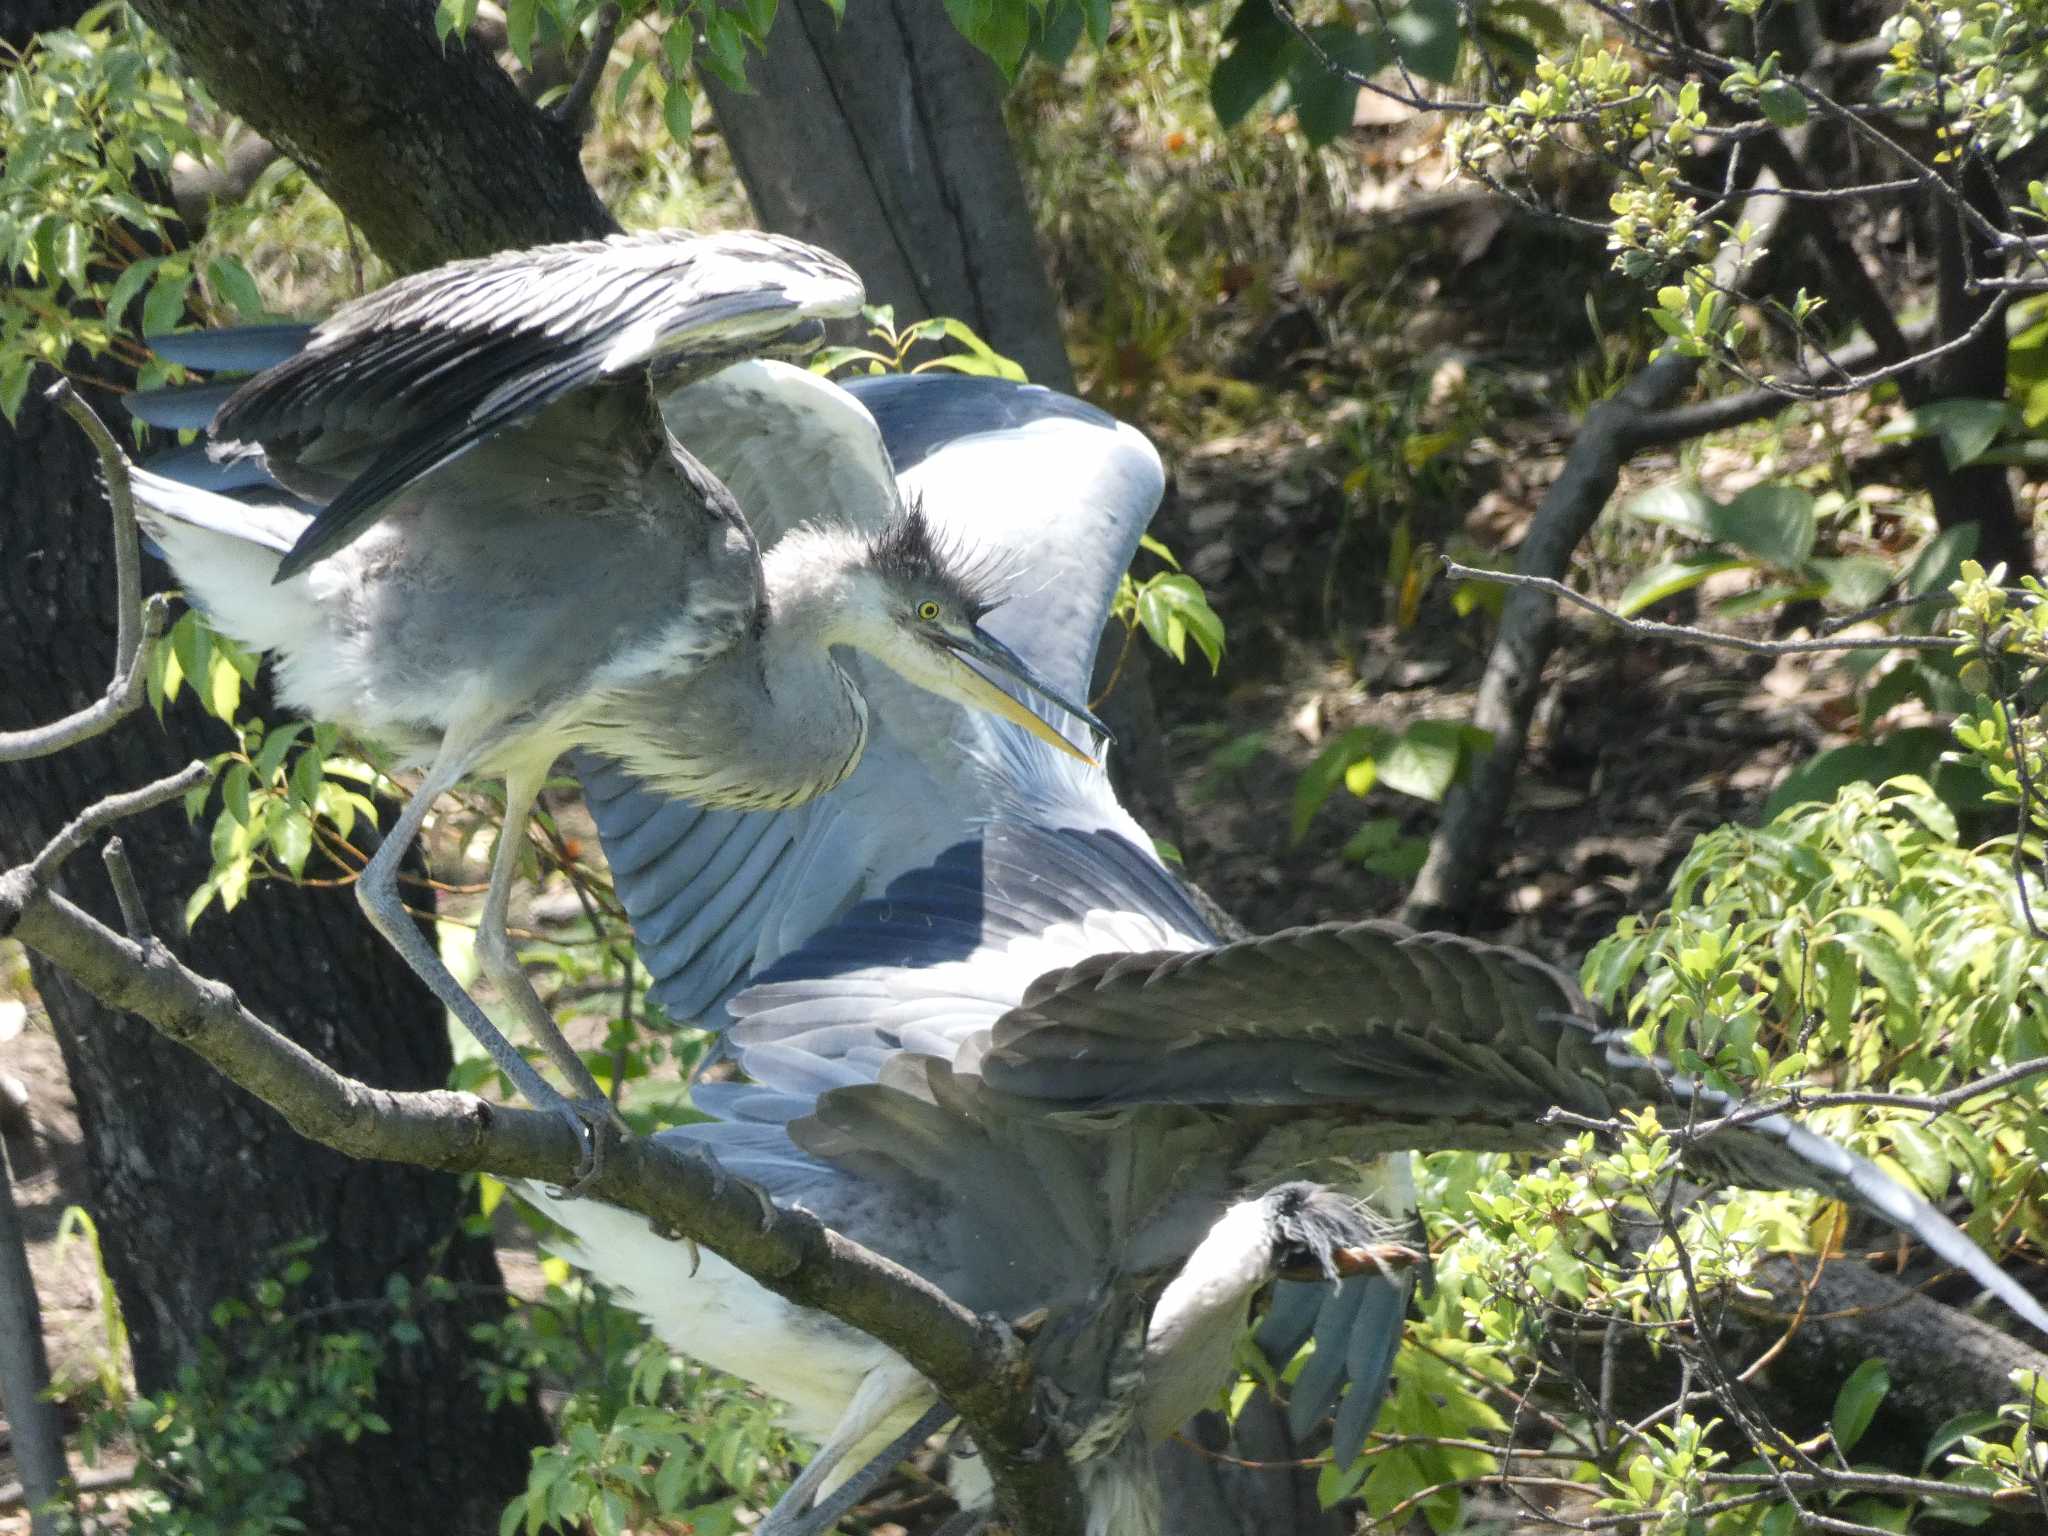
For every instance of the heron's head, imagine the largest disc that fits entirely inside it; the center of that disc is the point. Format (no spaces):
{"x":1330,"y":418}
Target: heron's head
{"x":924,"y":600}
{"x":1321,"y":1234}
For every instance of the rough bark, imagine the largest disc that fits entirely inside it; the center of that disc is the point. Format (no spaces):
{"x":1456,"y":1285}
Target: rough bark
{"x":194,"y":1185}
{"x":882,"y":139}
{"x":1975,"y":493}
{"x":428,"y":148}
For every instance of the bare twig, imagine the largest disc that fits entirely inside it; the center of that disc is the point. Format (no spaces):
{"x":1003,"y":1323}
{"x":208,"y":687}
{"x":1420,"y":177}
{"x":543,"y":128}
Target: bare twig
{"x":127,"y":892}
{"x":80,"y":829}
{"x":136,"y":623}
{"x":1650,"y":630}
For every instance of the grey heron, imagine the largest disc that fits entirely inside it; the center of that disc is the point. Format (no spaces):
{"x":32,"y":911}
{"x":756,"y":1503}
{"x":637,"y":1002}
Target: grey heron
{"x":501,"y":549}
{"x":990,"y":1036}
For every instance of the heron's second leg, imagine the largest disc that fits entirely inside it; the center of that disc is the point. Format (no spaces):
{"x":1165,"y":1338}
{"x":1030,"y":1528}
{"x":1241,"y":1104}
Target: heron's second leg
{"x":834,"y":1507}
{"x":882,"y":1391}
{"x":377,"y":892}
{"x":500,"y":960}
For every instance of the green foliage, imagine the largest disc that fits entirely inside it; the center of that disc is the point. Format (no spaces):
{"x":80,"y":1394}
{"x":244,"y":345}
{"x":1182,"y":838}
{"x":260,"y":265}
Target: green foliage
{"x":894,"y":347}
{"x":647,"y":1441}
{"x":215,"y":1453}
{"x":1423,"y":760}
{"x":92,"y":118}
{"x":1171,"y":607}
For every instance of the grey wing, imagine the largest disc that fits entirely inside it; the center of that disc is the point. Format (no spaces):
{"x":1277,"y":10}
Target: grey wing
{"x":1443,"y":1039}
{"x":1062,"y":489}
{"x":405,"y":380}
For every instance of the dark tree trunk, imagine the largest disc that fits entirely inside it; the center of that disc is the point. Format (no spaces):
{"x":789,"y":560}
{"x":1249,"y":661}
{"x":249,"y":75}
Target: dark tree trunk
{"x":195,"y":1185}
{"x":1976,"y":493}
{"x":882,"y":139}
{"x":428,"y":148}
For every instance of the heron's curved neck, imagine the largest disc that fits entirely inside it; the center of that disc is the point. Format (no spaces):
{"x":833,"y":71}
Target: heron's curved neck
{"x":773,"y":720}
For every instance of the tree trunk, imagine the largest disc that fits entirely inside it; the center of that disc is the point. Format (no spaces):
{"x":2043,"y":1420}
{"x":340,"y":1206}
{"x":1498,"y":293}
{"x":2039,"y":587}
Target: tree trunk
{"x":882,"y":139}
{"x":194,"y":1184}
{"x":428,"y":148}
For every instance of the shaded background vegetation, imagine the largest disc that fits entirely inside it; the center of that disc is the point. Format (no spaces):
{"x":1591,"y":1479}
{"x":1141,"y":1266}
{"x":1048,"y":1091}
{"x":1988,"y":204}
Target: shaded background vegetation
{"x":1364,"y":332}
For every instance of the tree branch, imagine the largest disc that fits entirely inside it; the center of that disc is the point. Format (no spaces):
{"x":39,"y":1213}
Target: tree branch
{"x":1648,"y":629}
{"x":1473,"y":810}
{"x":137,"y":623}
{"x":977,"y":1364}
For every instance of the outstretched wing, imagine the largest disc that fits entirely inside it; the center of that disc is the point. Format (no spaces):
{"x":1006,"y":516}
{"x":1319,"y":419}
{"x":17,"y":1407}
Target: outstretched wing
{"x":412,"y":377}
{"x":1437,"y":1039}
{"x":1000,"y":467}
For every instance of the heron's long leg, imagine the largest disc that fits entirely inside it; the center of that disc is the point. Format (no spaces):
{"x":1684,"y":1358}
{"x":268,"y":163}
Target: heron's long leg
{"x":377,"y":891}
{"x":500,"y":960}
{"x":882,"y":1391}
{"x":830,"y":1510}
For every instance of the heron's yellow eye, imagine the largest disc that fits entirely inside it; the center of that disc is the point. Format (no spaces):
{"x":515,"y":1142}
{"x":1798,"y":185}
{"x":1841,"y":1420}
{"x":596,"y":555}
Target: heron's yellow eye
{"x":928,"y":610}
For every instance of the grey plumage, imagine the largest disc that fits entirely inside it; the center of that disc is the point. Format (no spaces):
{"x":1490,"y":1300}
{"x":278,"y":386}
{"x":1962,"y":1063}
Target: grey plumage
{"x":510,"y":552}
{"x":992,"y":1037}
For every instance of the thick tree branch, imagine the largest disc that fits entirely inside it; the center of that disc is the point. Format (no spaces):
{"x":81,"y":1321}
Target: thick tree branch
{"x":1473,"y":810}
{"x":428,"y":147}
{"x":977,"y":1364}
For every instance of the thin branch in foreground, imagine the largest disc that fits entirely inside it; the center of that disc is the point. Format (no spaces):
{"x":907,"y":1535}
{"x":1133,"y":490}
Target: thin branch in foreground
{"x":137,"y":622}
{"x":104,"y":813}
{"x":1650,"y":630}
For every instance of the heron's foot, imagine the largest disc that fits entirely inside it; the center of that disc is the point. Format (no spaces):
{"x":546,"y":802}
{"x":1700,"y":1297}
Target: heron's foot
{"x":596,"y":1122}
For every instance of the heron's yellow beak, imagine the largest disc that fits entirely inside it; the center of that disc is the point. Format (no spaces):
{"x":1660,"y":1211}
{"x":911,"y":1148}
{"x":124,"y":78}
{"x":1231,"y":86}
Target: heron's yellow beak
{"x":977,"y":690}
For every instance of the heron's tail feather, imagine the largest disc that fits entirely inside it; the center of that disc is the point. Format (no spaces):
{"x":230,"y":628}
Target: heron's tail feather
{"x":224,"y":553}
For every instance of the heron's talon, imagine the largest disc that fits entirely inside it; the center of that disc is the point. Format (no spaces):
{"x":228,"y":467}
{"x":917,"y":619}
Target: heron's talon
{"x":595,"y":1122}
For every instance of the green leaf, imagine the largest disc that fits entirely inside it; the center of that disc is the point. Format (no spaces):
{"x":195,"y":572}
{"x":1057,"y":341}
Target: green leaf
{"x":1854,"y":582}
{"x":1940,"y":560}
{"x":1783,"y":103}
{"x":725,"y":48}
{"x":1915,"y":750}
{"x":1323,"y":775}
{"x":233,"y":282}
{"x":520,"y":16}
{"x":275,"y":744}
{"x":1965,"y":427}
{"x":1773,"y":522}
{"x":999,"y":28}
{"x":131,"y":282}
{"x":675,"y":109}
{"x":1856,"y":1404}
{"x":1324,"y":97}
{"x":1427,"y":38}
{"x":453,"y":18}
{"x":1260,"y":49}
{"x":1670,"y":577}
{"x":760,"y":17}
{"x":1679,"y":504}
{"x":1881,"y":958}
{"x":292,"y":836}
{"x":165,"y":306}
{"x":1424,"y":760}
